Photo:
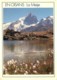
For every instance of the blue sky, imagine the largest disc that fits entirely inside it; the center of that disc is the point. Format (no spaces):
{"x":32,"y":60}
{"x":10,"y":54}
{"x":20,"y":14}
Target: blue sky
{"x":13,"y":14}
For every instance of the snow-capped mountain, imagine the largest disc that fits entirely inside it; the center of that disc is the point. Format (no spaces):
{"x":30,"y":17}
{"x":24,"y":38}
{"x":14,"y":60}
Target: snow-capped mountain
{"x":23,"y":23}
{"x":6,"y":25}
{"x":30,"y":23}
{"x":30,"y":19}
{"x":44,"y":24}
{"x":46,"y":21}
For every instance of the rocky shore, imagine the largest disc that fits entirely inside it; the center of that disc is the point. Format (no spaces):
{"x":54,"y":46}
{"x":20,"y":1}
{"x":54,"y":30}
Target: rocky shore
{"x":13,"y":35}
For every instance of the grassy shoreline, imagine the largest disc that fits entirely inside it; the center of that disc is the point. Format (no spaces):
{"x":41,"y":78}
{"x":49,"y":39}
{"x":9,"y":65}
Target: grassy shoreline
{"x":38,"y":67}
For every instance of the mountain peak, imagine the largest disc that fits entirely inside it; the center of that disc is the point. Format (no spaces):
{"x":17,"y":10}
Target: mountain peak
{"x":30,"y":19}
{"x":30,"y":14}
{"x":30,"y":23}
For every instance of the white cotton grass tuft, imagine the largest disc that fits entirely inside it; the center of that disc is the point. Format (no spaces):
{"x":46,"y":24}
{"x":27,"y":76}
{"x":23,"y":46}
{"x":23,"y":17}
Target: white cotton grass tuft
{"x":38,"y":62}
{"x":11,"y":62}
{"x":26,"y":72}
{"x":34,"y":66}
{"x":44,"y":63}
{"x":35,"y":72}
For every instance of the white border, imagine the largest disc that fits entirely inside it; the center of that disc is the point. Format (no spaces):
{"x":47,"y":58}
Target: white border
{"x":43,"y":5}
{"x":44,"y":77}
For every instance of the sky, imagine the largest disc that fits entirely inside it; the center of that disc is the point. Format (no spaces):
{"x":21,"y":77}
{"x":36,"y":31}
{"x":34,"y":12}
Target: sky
{"x":13,"y":14}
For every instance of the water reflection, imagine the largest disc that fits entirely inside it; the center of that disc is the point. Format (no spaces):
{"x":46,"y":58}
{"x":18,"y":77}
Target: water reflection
{"x":26,"y":50}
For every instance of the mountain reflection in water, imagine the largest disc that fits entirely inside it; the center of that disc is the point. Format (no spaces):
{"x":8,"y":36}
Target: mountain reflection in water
{"x":26,"y":50}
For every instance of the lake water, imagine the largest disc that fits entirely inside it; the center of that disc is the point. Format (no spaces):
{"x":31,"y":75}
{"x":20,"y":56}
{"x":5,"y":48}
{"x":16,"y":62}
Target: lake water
{"x":25,"y":51}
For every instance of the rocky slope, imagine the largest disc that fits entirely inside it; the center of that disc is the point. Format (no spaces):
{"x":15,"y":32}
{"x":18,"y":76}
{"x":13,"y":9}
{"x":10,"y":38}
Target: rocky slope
{"x":14,"y":35}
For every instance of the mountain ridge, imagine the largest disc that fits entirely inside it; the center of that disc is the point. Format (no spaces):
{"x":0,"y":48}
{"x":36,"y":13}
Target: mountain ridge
{"x":30,"y":23}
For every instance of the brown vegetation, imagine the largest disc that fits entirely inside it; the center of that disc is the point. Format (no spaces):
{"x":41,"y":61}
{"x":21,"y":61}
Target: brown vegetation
{"x":38,"y":67}
{"x":13,"y":35}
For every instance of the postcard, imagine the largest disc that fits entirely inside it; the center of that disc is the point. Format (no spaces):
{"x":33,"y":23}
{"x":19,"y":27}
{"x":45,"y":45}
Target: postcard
{"x":28,"y":40}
